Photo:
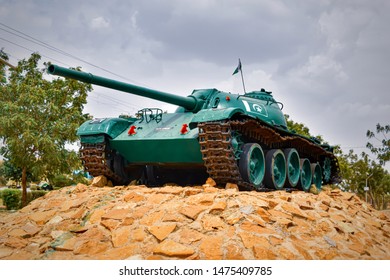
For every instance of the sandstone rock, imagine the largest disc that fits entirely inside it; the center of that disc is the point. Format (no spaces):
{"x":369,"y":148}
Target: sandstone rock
{"x":121,"y":236}
{"x":233,"y":217}
{"x":30,"y":229}
{"x":209,"y":189}
{"x":203,"y":222}
{"x":231,"y":186}
{"x":15,"y":242}
{"x":90,"y":247}
{"x":218,"y":207}
{"x":41,"y":218}
{"x":250,"y":240}
{"x":65,"y":245}
{"x":116,"y":214}
{"x":192,"y":211}
{"x":133,"y":197}
{"x":211,"y":247}
{"x":211,"y":222}
{"x":192,"y":191}
{"x":188,"y":236}
{"x":254,"y":228}
{"x":99,"y":181}
{"x":173,"y":249}
{"x":344,"y":227}
{"x":170,"y":190}
{"x":234,"y":252}
{"x":162,"y":231}
{"x":17,"y":232}
{"x":110,"y":224}
{"x":152,"y":218}
{"x":138,"y":234}
{"x":295,"y":211}
{"x":210,"y":182}
{"x":5,"y":252}
{"x":119,"y":253}
{"x":275,"y":240}
{"x":331,"y":242}
{"x":263,"y":253}
{"x":286,"y":254}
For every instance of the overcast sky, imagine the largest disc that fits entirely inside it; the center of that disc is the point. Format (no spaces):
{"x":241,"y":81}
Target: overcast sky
{"x":326,"y":61}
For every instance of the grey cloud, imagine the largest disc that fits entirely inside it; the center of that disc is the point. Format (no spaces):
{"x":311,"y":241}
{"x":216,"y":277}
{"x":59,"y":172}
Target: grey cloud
{"x":327,"y":60}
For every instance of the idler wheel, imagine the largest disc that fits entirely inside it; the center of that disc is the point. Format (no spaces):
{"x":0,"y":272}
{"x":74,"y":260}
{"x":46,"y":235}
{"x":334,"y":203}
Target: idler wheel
{"x":305,"y":178}
{"x":251,"y":164}
{"x":317,"y":175}
{"x":293,"y":167}
{"x":275,"y":169}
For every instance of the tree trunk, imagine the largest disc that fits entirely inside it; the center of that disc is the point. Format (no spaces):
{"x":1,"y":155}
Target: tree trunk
{"x":24,"y":186}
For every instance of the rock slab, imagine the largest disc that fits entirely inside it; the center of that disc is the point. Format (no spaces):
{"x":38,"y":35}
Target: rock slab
{"x":202,"y":222}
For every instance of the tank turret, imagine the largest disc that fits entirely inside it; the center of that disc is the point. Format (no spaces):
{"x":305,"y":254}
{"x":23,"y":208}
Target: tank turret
{"x":232,"y":138}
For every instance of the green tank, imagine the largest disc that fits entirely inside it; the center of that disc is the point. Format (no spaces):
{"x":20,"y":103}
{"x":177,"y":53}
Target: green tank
{"x":241,"y":139}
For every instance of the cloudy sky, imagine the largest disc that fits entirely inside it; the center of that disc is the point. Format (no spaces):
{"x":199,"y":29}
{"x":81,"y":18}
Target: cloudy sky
{"x":327,"y":61}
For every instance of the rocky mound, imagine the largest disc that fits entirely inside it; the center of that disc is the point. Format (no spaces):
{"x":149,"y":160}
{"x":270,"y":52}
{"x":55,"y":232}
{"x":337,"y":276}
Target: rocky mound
{"x":136,"y":222}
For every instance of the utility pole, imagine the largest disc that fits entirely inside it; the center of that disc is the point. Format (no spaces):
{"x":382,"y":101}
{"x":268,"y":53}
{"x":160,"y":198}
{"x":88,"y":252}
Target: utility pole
{"x":366,"y":188}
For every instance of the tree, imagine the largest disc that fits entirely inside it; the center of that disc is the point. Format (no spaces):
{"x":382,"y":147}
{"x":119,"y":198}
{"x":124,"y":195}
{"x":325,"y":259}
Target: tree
{"x":3,"y":59}
{"x":382,"y":152}
{"x":38,"y":118}
{"x":300,"y":129}
{"x":359,"y":172}
{"x":10,"y":172}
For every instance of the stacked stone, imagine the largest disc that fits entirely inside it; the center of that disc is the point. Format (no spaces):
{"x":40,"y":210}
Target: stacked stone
{"x":203,"y":222}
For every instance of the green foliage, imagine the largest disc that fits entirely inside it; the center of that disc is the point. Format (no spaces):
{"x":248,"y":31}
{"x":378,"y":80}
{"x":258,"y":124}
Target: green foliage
{"x":32,"y":195}
{"x":3,"y":180}
{"x":63,"y":180}
{"x":10,"y":172}
{"x":4,"y":57}
{"x":382,"y":152}
{"x":300,"y":129}
{"x":11,"y":198}
{"x":38,"y":118}
{"x":357,"y":171}
{"x":60,"y":181}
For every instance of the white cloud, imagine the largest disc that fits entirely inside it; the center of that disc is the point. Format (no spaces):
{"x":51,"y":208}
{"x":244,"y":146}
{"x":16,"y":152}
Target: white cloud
{"x":99,"y":23}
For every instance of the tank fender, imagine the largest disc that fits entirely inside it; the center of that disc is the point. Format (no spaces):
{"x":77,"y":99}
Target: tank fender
{"x":207,"y":115}
{"x":92,"y":131}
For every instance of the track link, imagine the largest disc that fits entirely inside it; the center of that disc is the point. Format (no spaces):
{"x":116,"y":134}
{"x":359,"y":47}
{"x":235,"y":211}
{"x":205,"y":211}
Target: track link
{"x":96,"y":160}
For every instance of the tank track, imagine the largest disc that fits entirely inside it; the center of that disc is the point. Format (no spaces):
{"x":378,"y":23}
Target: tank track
{"x":215,"y":139}
{"x":95,"y":159}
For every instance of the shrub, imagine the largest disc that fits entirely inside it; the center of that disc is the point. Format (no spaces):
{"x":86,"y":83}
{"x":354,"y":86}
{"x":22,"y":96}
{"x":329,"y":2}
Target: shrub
{"x":11,"y":198}
{"x":60,"y":181}
{"x":32,"y":195}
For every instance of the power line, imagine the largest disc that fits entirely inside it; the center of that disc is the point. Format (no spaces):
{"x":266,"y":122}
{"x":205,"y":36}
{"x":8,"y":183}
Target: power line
{"x":52,"y":48}
{"x":30,"y":50}
{"x":359,"y":147}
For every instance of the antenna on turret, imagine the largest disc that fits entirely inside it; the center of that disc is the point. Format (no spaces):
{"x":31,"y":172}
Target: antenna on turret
{"x":239,"y":69}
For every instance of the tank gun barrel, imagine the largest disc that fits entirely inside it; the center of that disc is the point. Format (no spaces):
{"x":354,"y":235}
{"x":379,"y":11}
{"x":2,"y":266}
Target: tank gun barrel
{"x":190,"y":103}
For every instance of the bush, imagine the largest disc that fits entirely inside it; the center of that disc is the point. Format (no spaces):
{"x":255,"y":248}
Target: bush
{"x":60,"y":181}
{"x":32,"y":195}
{"x":11,"y":198}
